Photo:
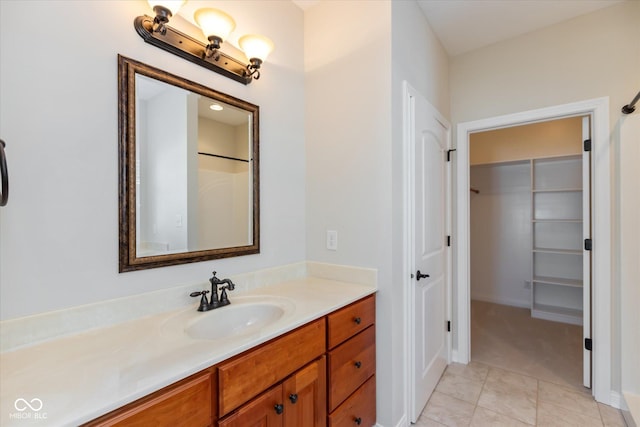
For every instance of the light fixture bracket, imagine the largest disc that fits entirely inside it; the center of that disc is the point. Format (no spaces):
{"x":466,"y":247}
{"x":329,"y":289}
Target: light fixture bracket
{"x":191,"y":49}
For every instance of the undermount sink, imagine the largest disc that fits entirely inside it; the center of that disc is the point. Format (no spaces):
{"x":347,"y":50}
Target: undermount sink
{"x":235,"y":320}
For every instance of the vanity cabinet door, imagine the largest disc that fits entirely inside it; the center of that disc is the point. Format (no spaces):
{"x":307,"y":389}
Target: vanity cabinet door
{"x":305,"y":396}
{"x":266,"y":410}
{"x":186,"y":403}
{"x":254,"y":371}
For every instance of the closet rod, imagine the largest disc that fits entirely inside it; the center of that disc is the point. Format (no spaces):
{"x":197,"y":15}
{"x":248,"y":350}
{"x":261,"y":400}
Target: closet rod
{"x":630,"y":107}
{"x":224,"y":157}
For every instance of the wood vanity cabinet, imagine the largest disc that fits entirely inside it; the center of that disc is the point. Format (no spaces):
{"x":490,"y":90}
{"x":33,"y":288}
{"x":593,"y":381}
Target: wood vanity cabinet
{"x":300,"y":391}
{"x":186,"y":403}
{"x":322,"y":373}
{"x":351,"y":365}
{"x":299,"y":401}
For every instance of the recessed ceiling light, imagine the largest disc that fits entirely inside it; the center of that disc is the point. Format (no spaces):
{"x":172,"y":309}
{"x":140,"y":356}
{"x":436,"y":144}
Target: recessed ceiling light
{"x":216,"y":107}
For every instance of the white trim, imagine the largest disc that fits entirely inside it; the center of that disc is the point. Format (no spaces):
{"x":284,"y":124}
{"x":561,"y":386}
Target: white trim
{"x":407,"y":166}
{"x":408,"y":139}
{"x":601,"y":218}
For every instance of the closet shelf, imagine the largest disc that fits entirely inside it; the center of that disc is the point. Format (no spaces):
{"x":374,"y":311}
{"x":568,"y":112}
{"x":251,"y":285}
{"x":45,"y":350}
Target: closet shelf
{"x":558,"y":190}
{"x":558,"y":281}
{"x":557,"y":227}
{"x":578,"y":220}
{"x":559,"y":251}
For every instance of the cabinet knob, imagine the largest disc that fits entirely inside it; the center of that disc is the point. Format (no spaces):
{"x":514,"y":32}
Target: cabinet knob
{"x":293,"y":397}
{"x":279,"y":409}
{"x":358,"y":420}
{"x":357,"y":320}
{"x":358,"y":364}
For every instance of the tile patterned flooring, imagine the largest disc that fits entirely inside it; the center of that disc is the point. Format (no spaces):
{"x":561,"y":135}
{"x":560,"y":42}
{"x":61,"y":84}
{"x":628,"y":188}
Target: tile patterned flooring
{"x":479,"y":395}
{"x":516,"y":381}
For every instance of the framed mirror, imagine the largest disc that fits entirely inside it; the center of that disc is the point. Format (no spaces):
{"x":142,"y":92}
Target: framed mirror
{"x":188,"y":170}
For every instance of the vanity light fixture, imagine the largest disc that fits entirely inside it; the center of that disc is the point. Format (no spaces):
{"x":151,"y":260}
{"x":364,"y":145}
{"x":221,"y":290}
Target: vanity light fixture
{"x":216,"y":26}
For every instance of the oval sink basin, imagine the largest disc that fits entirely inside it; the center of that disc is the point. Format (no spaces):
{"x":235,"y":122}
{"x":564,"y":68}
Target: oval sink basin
{"x":234,"y":320}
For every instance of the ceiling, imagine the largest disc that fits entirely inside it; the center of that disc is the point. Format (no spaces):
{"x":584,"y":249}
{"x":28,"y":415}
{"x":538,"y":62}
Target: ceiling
{"x":465,"y":25}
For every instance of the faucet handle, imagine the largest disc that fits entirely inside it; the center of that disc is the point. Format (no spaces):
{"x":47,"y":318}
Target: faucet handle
{"x":203,"y":301}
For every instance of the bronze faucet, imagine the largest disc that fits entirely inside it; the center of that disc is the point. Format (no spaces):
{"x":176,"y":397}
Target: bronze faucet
{"x":215,"y":302}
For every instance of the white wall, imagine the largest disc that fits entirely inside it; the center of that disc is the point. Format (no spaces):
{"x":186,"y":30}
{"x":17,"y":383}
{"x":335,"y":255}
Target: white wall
{"x":58,"y":115}
{"x":348,"y":133}
{"x":591,"y":56}
{"x":165,"y":164}
{"x":630,"y":254}
{"x":354,"y":146}
{"x":500,"y":233}
{"x":419,"y":58}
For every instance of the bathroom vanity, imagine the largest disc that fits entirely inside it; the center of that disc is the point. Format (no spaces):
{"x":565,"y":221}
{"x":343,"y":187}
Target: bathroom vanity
{"x":325,"y":367}
{"x":312,"y":366}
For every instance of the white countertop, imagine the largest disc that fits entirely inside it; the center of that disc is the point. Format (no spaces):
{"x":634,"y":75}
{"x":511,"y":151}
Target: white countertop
{"x":72,"y":380}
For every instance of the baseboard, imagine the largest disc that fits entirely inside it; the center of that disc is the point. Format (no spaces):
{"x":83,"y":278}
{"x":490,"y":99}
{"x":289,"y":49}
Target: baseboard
{"x":403,"y":422}
{"x":616,"y":400}
{"x":502,"y":301}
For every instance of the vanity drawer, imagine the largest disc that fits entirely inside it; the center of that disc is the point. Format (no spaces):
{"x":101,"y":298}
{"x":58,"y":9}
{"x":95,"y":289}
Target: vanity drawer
{"x":350,"y":365}
{"x":186,"y":403}
{"x":361,"y":406}
{"x":249,"y":374}
{"x":350,"y":320}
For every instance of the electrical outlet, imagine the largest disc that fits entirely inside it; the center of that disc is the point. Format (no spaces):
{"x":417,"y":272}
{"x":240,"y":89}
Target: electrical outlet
{"x":332,"y":240}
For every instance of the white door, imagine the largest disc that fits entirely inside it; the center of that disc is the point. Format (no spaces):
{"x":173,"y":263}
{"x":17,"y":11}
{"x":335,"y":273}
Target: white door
{"x":586,"y":255}
{"x":429,"y":285}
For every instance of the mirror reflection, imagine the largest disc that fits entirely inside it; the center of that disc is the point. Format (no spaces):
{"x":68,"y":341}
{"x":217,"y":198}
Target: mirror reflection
{"x":193,"y":178}
{"x":194,"y":171}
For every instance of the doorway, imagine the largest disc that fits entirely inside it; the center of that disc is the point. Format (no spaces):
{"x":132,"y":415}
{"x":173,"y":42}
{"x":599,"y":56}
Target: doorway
{"x":598,"y":111}
{"x":530,"y":274}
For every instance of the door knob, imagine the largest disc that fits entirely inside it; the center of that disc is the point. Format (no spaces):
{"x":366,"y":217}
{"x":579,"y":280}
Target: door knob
{"x":420,"y":275}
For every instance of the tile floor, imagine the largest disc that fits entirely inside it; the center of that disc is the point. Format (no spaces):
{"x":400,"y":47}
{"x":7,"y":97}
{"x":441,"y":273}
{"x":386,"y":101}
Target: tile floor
{"x":479,"y":395}
{"x":513,"y":384}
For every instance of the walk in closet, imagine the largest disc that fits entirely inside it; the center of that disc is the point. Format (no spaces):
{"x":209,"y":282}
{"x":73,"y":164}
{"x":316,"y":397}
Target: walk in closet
{"x":528,"y":218}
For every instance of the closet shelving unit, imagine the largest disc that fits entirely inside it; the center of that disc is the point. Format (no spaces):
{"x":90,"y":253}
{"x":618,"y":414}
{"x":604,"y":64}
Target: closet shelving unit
{"x":557,"y":229}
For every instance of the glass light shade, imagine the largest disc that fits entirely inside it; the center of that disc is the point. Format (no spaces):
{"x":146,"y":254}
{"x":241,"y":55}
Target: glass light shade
{"x":214,"y":22}
{"x":255,"y":46}
{"x":173,"y":5}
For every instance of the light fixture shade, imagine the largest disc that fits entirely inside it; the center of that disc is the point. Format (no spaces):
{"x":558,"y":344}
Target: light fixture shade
{"x":173,"y":5}
{"x":214,"y":22}
{"x":255,"y":46}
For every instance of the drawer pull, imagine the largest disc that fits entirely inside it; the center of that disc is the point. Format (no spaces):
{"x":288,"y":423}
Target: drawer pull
{"x":358,"y":420}
{"x":279,"y":409}
{"x":358,"y":364}
{"x":293,"y":398}
{"x":357,"y":320}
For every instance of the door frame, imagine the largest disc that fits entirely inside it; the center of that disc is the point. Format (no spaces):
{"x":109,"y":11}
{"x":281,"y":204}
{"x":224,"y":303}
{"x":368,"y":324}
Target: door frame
{"x":408,"y":144}
{"x":598,"y":110}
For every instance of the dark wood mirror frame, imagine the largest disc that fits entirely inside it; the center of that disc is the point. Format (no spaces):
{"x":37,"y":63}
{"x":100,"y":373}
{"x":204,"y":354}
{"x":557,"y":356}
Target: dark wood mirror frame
{"x":128,"y":260}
